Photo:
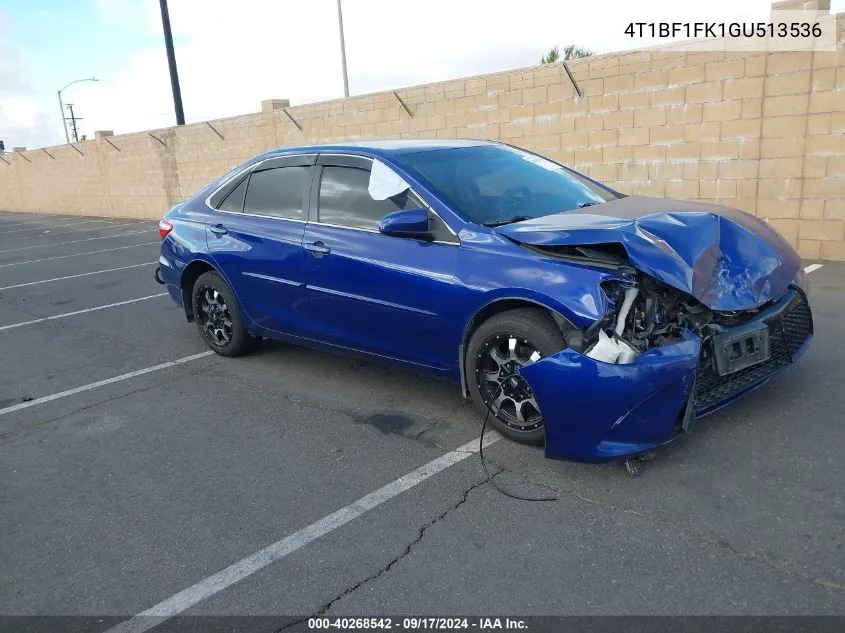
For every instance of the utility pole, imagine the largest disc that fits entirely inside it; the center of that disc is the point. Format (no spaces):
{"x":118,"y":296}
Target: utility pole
{"x":64,"y":120}
{"x":171,"y":63}
{"x":62,"y":107}
{"x":342,"y":50}
{"x":73,"y":119}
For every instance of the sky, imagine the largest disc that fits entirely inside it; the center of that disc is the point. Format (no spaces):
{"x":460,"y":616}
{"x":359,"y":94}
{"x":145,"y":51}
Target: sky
{"x":231,"y":54}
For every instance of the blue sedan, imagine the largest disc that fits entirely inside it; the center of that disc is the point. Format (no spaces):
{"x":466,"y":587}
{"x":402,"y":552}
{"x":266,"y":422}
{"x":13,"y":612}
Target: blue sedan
{"x":598,"y":324}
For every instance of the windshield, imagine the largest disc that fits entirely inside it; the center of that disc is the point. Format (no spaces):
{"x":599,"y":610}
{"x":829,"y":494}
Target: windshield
{"x":497,"y":184}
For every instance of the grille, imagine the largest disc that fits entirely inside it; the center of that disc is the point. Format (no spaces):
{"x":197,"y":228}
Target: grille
{"x":797,"y":326}
{"x":788,"y":330}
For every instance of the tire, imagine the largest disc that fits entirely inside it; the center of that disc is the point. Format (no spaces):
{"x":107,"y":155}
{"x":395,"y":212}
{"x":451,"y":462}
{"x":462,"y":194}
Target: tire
{"x":223,"y":329}
{"x":533,"y":330}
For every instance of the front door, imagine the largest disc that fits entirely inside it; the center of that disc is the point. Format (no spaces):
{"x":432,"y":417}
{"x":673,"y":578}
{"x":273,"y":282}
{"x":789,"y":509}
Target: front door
{"x":372,"y":292}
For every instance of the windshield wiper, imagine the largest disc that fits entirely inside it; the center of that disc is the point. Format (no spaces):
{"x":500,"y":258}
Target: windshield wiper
{"x":586,"y":204}
{"x":516,"y":218}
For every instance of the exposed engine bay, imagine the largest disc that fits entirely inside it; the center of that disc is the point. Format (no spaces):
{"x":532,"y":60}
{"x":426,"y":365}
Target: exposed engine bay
{"x":645,"y":314}
{"x":693,"y":306}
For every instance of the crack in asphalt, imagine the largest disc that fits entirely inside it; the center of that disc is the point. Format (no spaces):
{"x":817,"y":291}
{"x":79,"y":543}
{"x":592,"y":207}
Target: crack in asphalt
{"x":322,"y":610}
{"x":406,"y":552}
{"x":712,"y":541}
{"x":717,"y":542}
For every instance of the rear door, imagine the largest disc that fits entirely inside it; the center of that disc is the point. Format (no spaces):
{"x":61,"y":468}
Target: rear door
{"x":372,"y":292}
{"x":256,"y":240}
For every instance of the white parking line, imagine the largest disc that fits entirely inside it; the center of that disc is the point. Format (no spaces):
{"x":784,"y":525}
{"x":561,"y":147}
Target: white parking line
{"x":812,"y":267}
{"x":50,"y":227}
{"x":105,"y":250}
{"x":87,"y":239}
{"x":31,"y":224}
{"x":95,"y":272}
{"x":31,"y":218}
{"x":69,"y":314}
{"x":103,"y":383}
{"x":86,"y":228}
{"x":184,"y":600}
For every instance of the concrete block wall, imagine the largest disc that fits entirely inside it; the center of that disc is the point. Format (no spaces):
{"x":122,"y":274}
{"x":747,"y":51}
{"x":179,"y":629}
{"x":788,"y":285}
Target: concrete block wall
{"x":764,"y":132}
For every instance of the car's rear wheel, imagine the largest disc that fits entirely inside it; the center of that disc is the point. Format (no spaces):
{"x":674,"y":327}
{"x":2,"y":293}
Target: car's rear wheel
{"x":218,"y":316}
{"x":497,"y":349}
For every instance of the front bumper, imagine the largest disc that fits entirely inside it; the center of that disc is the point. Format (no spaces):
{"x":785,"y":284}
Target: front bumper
{"x":597,"y":411}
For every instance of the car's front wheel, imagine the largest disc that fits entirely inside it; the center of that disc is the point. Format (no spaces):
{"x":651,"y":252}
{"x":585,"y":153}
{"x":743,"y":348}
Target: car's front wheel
{"x":497,"y":349}
{"x":218,"y":316}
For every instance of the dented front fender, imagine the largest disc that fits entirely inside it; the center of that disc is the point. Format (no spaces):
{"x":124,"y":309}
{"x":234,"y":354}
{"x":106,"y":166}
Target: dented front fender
{"x":596,"y":411}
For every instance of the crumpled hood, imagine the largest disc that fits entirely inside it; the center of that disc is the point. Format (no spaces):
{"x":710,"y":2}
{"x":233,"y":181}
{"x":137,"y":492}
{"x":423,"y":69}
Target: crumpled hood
{"x":725,"y":258}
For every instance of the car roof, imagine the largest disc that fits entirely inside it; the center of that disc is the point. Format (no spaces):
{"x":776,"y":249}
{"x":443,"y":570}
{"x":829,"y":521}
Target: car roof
{"x":388,"y":147}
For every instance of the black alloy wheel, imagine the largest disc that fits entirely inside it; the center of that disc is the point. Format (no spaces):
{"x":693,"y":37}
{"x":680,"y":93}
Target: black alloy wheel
{"x":497,"y":349}
{"x":214,"y":316}
{"x":502,"y":388}
{"x":218,"y":316}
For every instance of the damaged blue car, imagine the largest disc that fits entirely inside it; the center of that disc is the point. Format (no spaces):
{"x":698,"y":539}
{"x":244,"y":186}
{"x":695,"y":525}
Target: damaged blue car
{"x":597,"y":324}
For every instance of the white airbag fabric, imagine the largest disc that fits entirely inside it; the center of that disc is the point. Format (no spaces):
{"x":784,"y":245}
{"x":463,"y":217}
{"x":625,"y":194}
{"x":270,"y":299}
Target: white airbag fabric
{"x":384,"y":182}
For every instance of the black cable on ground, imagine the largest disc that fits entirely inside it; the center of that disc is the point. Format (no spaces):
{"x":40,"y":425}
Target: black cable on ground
{"x":484,"y":464}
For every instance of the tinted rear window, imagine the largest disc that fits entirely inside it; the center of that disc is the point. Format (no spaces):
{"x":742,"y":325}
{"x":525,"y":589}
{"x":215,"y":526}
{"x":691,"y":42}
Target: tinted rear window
{"x":235,"y":200}
{"x":277,"y":192}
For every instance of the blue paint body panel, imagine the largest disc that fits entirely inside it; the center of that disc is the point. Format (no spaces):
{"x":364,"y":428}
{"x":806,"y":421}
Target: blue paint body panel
{"x":623,"y":409}
{"x":725,"y":258}
{"x":410,"y":303}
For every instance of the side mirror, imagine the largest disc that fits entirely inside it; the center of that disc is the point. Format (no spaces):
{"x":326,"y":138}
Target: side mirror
{"x":406,"y":223}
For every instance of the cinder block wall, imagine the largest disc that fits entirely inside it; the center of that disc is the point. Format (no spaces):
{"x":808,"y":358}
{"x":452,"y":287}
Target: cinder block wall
{"x":764,"y":132}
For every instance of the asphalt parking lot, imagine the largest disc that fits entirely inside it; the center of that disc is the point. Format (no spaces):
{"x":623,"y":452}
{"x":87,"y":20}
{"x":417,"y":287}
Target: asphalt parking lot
{"x":117,"y":497}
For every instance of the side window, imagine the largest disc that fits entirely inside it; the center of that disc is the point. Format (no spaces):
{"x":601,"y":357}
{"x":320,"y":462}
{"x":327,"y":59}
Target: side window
{"x":235,"y":200}
{"x":277,"y":192}
{"x":345,"y":199}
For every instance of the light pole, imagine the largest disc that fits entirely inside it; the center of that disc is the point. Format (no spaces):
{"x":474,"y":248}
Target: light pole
{"x":171,"y":63}
{"x":342,"y":50}
{"x":62,"y":107}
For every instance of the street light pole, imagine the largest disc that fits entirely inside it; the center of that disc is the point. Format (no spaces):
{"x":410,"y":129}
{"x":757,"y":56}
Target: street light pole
{"x":62,"y":107}
{"x":342,"y":50}
{"x":171,"y":63}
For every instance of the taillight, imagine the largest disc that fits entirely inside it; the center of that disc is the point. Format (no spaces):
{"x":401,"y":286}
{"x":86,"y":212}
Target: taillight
{"x":164,"y":228}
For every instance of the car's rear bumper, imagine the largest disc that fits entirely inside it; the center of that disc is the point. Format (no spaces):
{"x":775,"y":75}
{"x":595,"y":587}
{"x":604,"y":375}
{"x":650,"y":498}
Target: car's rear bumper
{"x":167,"y":275}
{"x":596,"y":411}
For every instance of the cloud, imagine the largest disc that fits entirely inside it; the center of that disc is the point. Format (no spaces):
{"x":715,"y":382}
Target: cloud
{"x":12,"y":76}
{"x":231,"y":55}
{"x":229,"y":60}
{"x":20,"y":118}
{"x":19,"y":113}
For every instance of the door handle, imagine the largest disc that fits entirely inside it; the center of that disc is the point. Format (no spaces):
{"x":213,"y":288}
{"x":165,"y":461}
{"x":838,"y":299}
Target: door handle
{"x":219,"y":229}
{"x":318,"y":248}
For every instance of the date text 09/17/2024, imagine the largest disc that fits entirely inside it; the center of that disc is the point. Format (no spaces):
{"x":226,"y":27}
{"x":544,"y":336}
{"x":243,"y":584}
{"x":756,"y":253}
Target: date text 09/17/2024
{"x":418,"y":623}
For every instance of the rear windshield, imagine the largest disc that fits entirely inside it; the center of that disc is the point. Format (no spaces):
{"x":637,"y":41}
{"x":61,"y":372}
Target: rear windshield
{"x":497,"y":184}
